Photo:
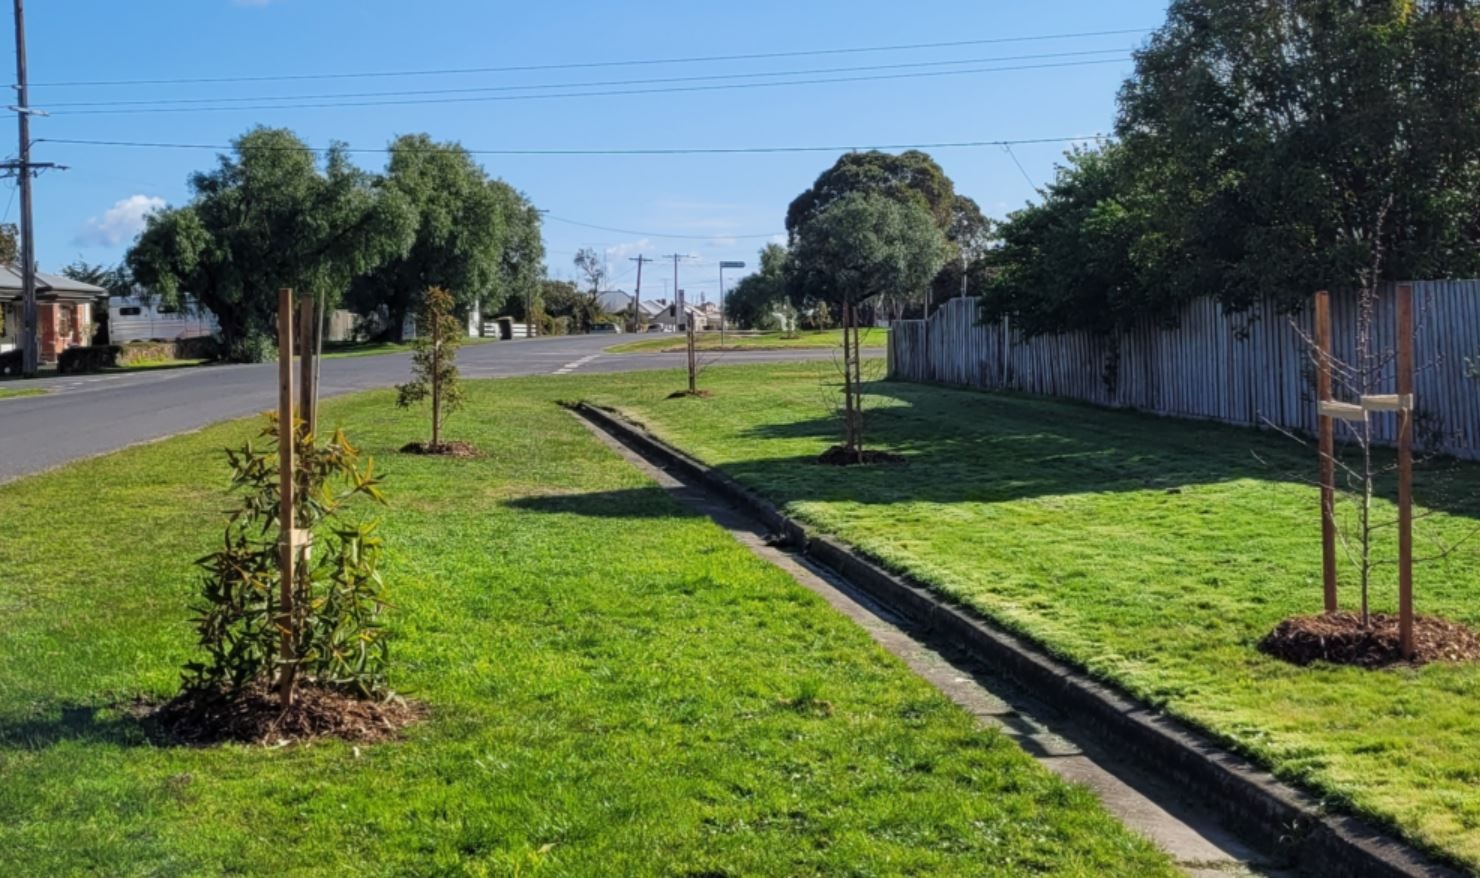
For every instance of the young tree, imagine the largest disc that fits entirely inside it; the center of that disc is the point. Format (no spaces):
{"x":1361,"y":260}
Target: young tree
{"x":862,"y":246}
{"x":269,"y":216}
{"x":459,"y":237}
{"x":434,"y":363}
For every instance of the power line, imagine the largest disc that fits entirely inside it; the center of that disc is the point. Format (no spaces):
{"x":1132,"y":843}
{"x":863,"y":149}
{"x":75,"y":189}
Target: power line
{"x":588,"y":94}
{"x":297,"y":77}
{"x":1119,"y":52}
{"x":644,"y":151}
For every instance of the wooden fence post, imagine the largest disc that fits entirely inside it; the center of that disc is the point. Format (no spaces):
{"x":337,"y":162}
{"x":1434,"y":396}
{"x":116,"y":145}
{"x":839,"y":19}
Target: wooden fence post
{"x":287,"y":548}
{"x":1405,"y":469}
{"x":1327,"y":448}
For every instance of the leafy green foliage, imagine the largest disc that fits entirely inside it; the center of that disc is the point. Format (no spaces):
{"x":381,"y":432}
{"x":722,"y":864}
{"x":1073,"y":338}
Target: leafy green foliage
{"x":434,"y":361}
{"x":912,"y":177}
{"x":269,"y":216}
{"x":757,"y":299}
{"x":459,"y":225}
{"x":335,"y":629}
{"x":1266,"y":150}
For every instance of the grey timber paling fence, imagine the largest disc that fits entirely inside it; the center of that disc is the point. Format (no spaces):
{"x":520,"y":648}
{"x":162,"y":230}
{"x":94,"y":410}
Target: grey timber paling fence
{"x":1252,"y":368}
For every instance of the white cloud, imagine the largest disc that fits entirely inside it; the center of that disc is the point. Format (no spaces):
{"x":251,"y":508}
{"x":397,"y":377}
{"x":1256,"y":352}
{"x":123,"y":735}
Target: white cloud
{"x":778,"y":239}
{"x":630,"y":248}
{"x":723,"y":241}
{"x":119,"y":223}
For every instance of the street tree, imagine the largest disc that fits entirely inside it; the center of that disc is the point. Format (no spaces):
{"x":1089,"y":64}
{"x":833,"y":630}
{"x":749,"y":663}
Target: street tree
{"x":863,"y":246}
{"x":270,"y":215}
{"x":458,"y":238}
{"x":434,"y":363}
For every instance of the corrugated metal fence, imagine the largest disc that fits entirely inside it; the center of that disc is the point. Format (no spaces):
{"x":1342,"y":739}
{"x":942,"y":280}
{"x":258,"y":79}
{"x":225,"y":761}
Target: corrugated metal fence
{"x":1252,"y":367}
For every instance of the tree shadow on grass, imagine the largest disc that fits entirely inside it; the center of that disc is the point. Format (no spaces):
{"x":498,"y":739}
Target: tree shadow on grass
{"x":117,"y":724}
{"x":997,"y":447}
{"x":651,"y":501}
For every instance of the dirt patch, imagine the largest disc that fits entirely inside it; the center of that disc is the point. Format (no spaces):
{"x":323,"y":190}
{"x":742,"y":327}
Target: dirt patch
{"x":444,"y":449}
{"x":1341,"y":639}
{"x":691,"y":394}
{"x":254,"y":716}
{"x":839,"y":455}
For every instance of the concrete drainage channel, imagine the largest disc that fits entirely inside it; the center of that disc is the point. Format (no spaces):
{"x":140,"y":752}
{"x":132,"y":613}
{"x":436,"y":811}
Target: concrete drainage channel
{"x":1215,"y":813}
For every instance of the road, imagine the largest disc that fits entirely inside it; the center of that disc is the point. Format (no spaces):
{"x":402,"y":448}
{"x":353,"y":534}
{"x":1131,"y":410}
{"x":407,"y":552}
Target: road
{"x":85,"y":415}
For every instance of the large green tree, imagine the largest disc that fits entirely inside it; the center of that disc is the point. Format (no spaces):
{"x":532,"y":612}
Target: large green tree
{"x":865,"y":245}
{"x":911,"y":177}
{"x":522,"y":261}
{"x":270,"y":215}
{"x":459,"y":233}
{"x":757,"y":299}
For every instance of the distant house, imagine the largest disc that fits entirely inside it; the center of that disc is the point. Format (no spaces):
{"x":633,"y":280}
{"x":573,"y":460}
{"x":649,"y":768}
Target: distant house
{"x":667,"y":315}
{"x":64,"y":312}
{"x":618,"y":304}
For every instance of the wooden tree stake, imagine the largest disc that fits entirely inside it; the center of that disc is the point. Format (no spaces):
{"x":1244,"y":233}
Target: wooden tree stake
{"x":287,"y":548}
{"x":308,"y":401}
{"x":1327,"y":429}
{"x":1405,"y":469}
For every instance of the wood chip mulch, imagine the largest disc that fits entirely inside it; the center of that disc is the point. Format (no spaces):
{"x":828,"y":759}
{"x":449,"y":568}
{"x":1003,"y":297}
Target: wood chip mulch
{"x":838,"y":455}
{"x":1340,"y":638}
{"x":254,"y":716}
{"x":464,"y":450}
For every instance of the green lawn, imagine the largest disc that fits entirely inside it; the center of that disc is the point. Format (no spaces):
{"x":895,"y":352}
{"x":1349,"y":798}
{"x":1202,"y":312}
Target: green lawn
{"x":616,"y":688}
{"x":709,"y":341}
{"x":15,"y":392}
{"x":1155,"y":553}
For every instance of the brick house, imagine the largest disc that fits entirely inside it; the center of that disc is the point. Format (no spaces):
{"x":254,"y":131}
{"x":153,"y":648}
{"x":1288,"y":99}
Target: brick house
{"x":64,"y":312}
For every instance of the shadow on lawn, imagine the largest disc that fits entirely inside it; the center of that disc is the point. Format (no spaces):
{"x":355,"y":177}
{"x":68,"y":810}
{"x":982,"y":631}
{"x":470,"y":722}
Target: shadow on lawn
{"x":113,"y":724}
{"x":996,"y":447}
{"x":646,"y":502}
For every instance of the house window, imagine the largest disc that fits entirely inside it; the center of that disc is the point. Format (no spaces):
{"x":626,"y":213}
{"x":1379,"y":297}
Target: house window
{"x":64,"y":321}
{"x":130,"y":312}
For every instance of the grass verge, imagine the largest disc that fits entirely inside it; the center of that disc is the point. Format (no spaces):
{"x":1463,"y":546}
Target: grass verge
{"x":16,"y":393}
{"x":766,"y":341}
{"x":617,"y":688}
{"x":1151,"y":552}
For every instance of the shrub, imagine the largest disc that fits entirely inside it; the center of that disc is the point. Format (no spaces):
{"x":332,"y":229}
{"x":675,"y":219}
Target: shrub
{"x":335,"y":633}
{"x":89,"y":359}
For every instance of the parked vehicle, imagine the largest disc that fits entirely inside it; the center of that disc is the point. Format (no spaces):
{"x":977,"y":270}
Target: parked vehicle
{"x":606,"y":329}
{"x":659,"y":327}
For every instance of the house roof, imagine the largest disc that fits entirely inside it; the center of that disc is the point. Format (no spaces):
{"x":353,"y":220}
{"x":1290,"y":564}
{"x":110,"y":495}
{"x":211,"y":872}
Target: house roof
{"x":49,"y":287}
{"x":620,"y":302}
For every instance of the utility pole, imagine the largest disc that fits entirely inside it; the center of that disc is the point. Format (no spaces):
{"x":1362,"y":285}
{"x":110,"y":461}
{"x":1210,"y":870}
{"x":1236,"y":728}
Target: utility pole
{"x":24,"y":169}
{"x":637,"y":296}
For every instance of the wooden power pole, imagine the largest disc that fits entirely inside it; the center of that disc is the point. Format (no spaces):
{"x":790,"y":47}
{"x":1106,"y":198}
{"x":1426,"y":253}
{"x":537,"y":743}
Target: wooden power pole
{"x":637,"y":295}
{"x":24,"y":169}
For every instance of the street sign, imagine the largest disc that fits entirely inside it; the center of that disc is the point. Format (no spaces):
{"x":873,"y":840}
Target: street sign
{"x":732,"y":265}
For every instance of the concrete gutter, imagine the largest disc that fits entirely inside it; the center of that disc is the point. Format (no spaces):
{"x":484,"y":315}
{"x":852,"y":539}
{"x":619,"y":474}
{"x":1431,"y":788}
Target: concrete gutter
{"x":1286,"y":823}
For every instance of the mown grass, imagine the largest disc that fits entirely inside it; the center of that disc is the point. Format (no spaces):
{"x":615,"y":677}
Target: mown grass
{"x":709,"y":341}
{"x":1154,"y":553}
{"x":16,"y":392}
{"x":617,"y":688}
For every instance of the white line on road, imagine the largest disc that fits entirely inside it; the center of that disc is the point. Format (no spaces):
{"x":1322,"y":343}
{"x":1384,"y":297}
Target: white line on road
{"x":571,"y":367}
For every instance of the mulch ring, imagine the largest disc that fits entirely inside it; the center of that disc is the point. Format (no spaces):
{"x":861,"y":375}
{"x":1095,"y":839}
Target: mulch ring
{"x":1340,"y":638}
{"x":254,"y":716}
{"x":691,"y":394}
{"x":464,"y":450}
{"x":840,"y":455}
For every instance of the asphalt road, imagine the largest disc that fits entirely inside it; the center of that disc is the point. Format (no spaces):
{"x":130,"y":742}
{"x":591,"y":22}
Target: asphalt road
{"x":86,"y":415}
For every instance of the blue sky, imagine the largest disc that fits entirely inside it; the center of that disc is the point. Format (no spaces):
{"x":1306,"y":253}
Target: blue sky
{"x":724,"y":205}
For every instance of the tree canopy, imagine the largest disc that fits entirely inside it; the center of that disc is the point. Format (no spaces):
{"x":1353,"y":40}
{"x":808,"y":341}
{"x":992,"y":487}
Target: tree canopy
{"x":865,"y":245}
{"x":911,"y":177}
{"x":459,"y":223}
{"x":756,"y":299}
{"x":270,"y":215}
{"x":1266,"y":150}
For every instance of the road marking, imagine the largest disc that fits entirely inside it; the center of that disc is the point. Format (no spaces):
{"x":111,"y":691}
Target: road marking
{"x":571,"y":367}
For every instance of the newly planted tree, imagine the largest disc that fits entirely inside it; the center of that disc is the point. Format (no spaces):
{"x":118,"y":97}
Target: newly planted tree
{"x":434,"y":368}
{"x":860,"y":247}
